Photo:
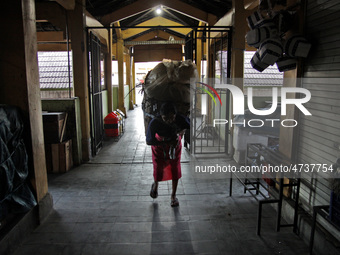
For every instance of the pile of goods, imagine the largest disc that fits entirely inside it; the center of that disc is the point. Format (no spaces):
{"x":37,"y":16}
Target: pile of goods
{"x":271,"y":33}
{"x":16,"y":193}
{"x":169,"y":81}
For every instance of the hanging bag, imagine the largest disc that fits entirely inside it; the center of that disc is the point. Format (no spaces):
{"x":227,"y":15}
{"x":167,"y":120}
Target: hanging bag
{"x":270,"y":51}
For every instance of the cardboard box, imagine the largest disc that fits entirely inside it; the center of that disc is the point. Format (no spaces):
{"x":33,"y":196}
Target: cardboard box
{"x":53,"y":123}
{"x":59,"y":157}
{"x":287,"y":191}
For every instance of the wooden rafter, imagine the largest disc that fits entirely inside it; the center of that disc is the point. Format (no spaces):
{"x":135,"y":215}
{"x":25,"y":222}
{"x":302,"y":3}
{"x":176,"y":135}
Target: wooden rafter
{"x":156,"y":34}
{"x":174,"y":16}
{"x":52,"y":12}
{"x":142,"y":5}
{"x":250,"y":4}
{"x":200,"y":30}
{"x":118,"y":30}
{"x":67,"y":4}
{"x":157,"y":21}
{"x":101,"y":33}
{"x":50,"y":36}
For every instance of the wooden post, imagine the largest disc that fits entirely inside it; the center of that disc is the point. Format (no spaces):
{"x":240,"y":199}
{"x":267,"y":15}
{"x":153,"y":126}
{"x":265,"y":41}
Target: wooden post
{"x":80,"y":74}
{"x":129,"y":73}
{"x":108,"y":72}
{"x":120,"y":58}
{"x":237,"y":56}
{"x":288,"y":138}
{"x":210,"y":65}
{"x":199,"y":50}
{"x":133,"y":80}
{"x":199,"y":57}
{"x":238,"y":45}
{"x":287,"y":134}
{"x":128,"y":77}
{"x":20,"y":82}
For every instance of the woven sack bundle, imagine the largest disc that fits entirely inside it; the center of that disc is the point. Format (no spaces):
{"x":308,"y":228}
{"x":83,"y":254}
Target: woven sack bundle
{"x":286,"y":63}
{"x":256,"y":62}
{"x":266,"y":23}
{"x":270,"y":50}
{"x":169,"y":81}
{"x":297,"y":46}
{"x":256,"y":36}
{"x":284,"y":21}
{"x":254,"y":19}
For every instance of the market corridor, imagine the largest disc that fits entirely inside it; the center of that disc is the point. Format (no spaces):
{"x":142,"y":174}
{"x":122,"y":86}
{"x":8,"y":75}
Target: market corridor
{"x":104,"y":207}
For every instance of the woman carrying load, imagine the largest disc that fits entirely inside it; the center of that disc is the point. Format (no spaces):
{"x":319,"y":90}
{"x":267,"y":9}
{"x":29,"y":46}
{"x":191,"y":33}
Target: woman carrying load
{"x":164,"y":134}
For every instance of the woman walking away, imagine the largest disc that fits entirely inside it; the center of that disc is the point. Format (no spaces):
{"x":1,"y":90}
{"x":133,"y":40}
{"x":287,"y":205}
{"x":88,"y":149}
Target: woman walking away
{"x":164,"y":134}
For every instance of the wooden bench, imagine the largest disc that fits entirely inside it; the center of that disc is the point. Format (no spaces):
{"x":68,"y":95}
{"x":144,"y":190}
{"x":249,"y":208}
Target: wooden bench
{"x":258,"y":187}
{"x":323,"y":211}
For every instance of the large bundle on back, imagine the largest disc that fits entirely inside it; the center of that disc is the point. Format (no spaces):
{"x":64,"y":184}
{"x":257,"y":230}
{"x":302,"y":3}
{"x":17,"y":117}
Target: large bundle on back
{"x":169,"y":81}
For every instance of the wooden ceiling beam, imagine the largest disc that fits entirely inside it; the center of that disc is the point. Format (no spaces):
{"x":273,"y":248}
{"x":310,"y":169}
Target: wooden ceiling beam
{"x":52,"y":12}
{"x":157,"y":21}
{"x":156,"y":34}
{"x":251,"y":4}
{"x":103,"y":34}
{"x":53,"y":47}
{"x":142,"y":5}
{"x":118,"y":30}
{"x":132,"y":32}
{"x":67,"y":4}
{"x":190,"y":11}
{"x":201,"y":29}
{"x":50,"y":36}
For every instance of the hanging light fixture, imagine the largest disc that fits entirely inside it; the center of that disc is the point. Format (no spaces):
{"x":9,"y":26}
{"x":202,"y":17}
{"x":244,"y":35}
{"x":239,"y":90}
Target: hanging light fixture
{"x":159,"y":10}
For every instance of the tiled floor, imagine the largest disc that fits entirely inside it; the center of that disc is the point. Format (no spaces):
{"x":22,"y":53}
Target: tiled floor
{"x":104,"y":207}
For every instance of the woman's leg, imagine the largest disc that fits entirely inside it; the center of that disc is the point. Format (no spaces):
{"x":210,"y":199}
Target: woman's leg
{"x":174,"y":189}
{"x":154,"y":190}
{"x":155,"y":187}
{"x":174,"y":200}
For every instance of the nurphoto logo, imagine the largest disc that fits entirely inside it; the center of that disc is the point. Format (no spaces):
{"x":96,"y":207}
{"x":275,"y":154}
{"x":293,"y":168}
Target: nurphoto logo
{"x":239,"y":104}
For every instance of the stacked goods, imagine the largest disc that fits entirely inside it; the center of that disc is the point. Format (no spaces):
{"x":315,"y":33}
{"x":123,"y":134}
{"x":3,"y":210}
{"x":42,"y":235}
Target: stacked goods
{"x":284,"y":20}
{"x":254,"y":19}
{"x":256,"y":62}
{"x":267,"y":35}
{"x":270,"y":51}
{"x":255,"y":36}
{"x":286,"y":63}
{"x":297,"y":46}
{"x":16,"y":196}
{"x":169,"y":81}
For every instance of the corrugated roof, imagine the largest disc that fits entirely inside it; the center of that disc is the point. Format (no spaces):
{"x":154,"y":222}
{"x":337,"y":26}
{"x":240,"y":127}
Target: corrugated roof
{"x":53,"y":70}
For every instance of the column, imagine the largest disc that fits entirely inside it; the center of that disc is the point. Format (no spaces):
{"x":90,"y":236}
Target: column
{"x":80,"y":73}
{"x":108,"y":72}
{"x":20,"y":82}
{"x":120,"y":58}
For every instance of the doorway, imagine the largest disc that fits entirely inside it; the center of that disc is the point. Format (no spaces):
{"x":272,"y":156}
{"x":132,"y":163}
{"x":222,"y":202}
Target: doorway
{"x":205,"y":138}
{"x":95,"y":94}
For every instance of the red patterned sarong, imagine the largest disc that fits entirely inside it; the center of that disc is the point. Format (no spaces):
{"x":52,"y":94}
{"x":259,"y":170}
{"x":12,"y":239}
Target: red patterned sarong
{"x":164,"y":168}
